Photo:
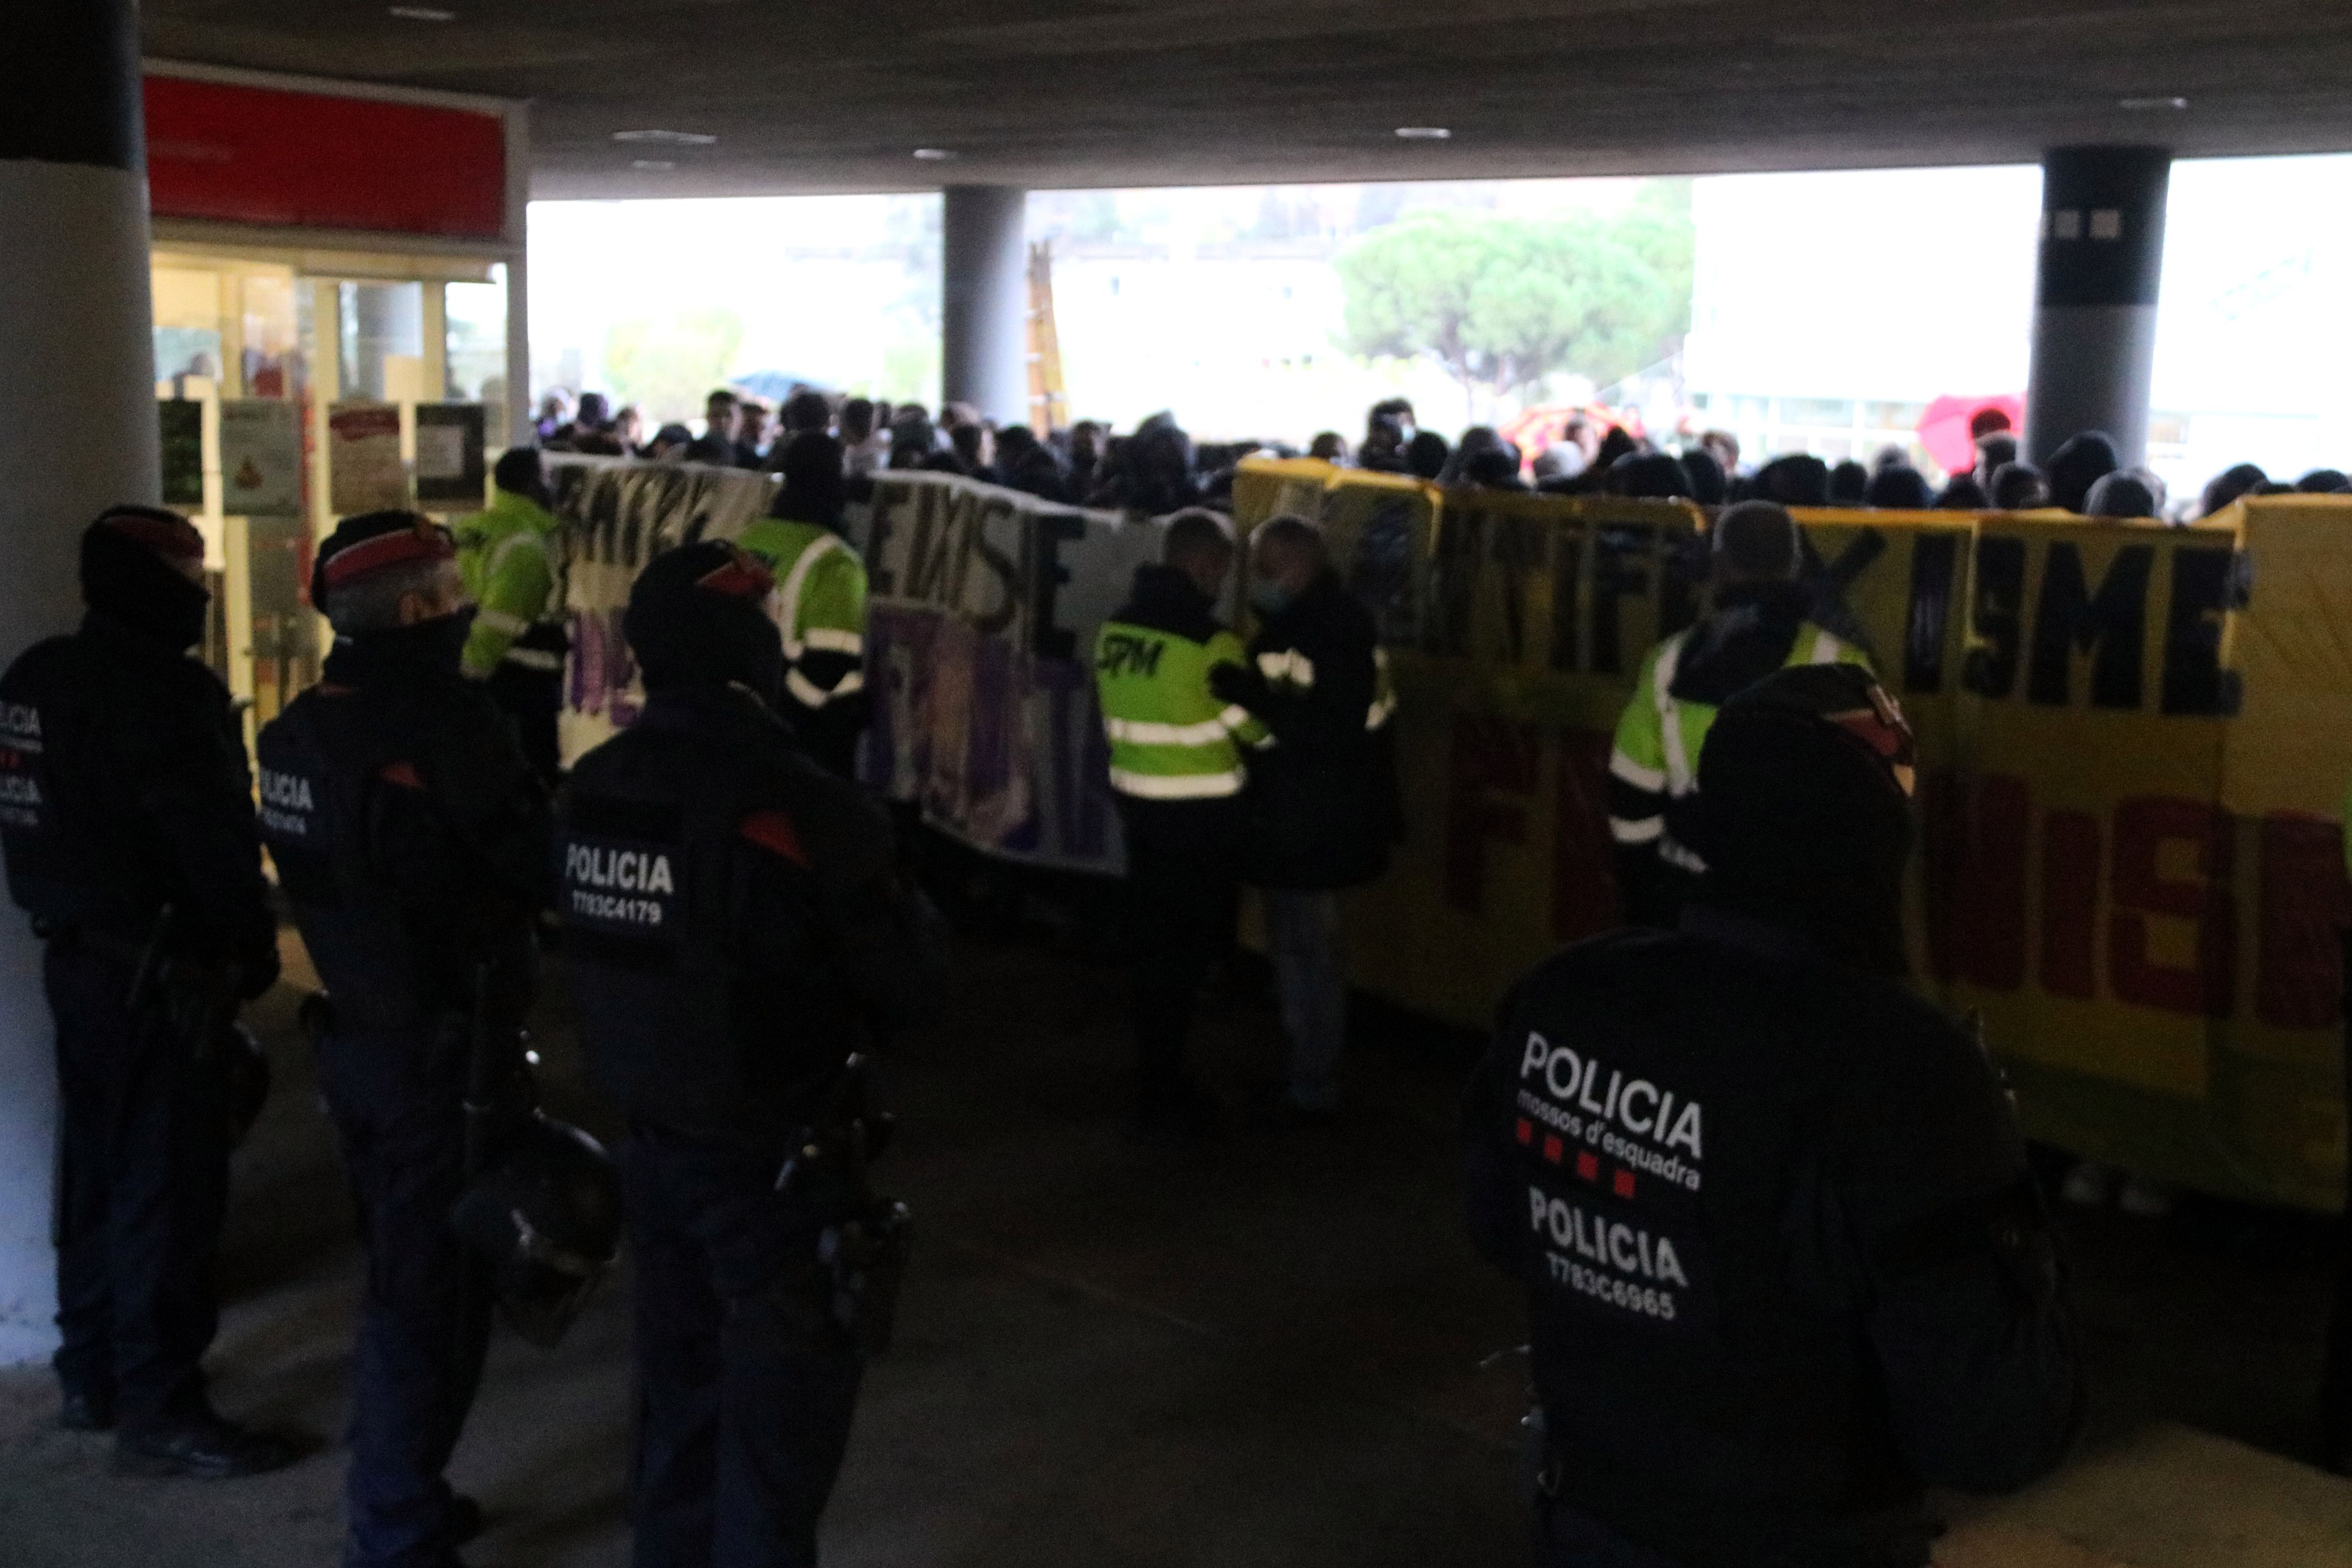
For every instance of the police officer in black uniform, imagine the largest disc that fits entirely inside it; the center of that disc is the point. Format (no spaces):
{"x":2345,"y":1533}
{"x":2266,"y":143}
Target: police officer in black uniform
{"x":126,"y":811}
{"x":1784,"y":1263}
{"x":735,"y":929}
{"x":410,"y":838}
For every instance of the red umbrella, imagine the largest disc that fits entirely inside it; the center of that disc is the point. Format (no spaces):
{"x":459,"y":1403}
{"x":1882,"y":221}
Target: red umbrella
{"x":1944,"y":428}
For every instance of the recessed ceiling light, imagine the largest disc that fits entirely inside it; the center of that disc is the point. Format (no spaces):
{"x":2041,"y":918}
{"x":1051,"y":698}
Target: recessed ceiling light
{"x":2140,"y":103}
{"x":1423,"y":133}
{"x":654,"y":165}
{"x":422,"y":14}
{"x":934,"y":154}
{"x":665,"y":138}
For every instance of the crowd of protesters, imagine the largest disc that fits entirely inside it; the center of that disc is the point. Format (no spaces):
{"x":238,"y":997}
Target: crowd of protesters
{"x":1158,"y":469}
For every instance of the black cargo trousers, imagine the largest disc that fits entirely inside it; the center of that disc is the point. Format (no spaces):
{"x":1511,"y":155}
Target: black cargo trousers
{"x":143,"y":1185}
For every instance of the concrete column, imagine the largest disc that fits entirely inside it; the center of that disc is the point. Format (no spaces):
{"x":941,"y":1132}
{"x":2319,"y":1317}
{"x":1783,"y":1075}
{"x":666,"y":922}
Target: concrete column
{"x":519,"y":408}
{"x":2095,"y":302}
{"x":76,"y":357}
{"x":984,"y":300}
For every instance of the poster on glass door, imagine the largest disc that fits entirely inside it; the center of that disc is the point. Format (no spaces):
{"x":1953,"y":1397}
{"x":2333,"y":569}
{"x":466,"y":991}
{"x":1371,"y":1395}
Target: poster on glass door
{"x":260,"y":458}
{"x":365,"y":472}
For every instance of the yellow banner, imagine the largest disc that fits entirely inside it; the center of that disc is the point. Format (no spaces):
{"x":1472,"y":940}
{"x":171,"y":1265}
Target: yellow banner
{"x":2133,"y":740}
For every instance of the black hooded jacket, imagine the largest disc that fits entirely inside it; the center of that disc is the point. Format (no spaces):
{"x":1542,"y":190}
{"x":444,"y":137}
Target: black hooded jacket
{"x":1322,"y":799}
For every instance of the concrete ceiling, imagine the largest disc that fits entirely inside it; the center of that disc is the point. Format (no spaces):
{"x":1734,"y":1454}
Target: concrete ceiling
{"x":1051,"y":93}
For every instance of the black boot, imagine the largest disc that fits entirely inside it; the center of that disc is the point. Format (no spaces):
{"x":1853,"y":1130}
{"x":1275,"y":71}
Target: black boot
{"x":85,"y":1410}
{"x":203,"y":1447}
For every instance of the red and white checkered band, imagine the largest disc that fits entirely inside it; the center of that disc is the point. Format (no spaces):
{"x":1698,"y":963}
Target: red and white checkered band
{"x":425,"y":541}
{"x":174,"y":538}
{"x":742,"y":578}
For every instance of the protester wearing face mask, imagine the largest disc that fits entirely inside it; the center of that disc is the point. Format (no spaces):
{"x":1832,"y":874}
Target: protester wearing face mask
{"x":410,"y":838}
{"x":1322,"y":808}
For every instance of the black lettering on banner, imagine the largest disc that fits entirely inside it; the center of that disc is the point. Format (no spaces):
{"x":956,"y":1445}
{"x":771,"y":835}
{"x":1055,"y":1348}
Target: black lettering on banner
{"x":1683,"y":563}
{"x":1567,"y":576}
{"x":881,"y":522}
{"x":2110,"y":626}
{"x":2194,"y":681}
{"x":1928,"y":616}
{"x":1518,"y":542}
{"x":1000,"y":566}
{"x":1461,"y":546}
{"x":1048,"y":530}
{"x":603,"y":507}
{"x":926,"y":552}
{"x":1619,"y":552}
{"x":1997,"y":619}
{"x":950,"y":537}
{"x":1830,"y":581}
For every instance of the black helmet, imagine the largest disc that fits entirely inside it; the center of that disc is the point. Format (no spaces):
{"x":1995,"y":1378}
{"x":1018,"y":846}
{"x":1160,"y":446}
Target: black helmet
{"x":1804,"y":789}
{"x":546,"y":1216}
{"x":245,"y":1079}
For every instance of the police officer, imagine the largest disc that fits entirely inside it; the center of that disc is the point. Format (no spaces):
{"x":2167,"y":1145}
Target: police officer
{"x":411,"y":837}
{"x":736,"y":930}
{"x":1322,"y":798}
{"x":820,"y":600}
{"x":1177,"y":772}
{"x":126,"y":812}
{"x":1784,"y":1262}
{"x":1758,"y":624}
{"x":508,"y":558}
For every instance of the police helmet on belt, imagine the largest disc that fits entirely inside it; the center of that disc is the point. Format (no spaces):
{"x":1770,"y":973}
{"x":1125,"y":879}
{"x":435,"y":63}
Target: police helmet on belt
{"x":373,"y":542}
{"x":546,"y":1218}
{"x":697,"y":615}
{"x":1805,"y":787}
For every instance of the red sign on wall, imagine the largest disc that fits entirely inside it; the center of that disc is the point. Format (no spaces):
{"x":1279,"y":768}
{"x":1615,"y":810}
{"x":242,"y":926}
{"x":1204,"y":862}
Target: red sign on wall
{"x":307,"y":160}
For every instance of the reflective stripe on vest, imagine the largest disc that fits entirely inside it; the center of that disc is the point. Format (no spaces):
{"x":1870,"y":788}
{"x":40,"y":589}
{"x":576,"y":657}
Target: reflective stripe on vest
{"x":788,"y":593}
{"x":1178,"y":786}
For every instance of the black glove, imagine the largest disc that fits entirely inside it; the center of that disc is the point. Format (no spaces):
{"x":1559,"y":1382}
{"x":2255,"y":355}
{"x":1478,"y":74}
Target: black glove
{"x":1236,"y":684}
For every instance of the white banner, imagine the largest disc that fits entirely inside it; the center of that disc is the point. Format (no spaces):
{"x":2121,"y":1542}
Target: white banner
{"x":979,"y":634}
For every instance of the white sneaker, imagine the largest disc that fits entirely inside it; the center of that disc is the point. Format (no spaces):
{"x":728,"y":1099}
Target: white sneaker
{"x":2091,"y":1184}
